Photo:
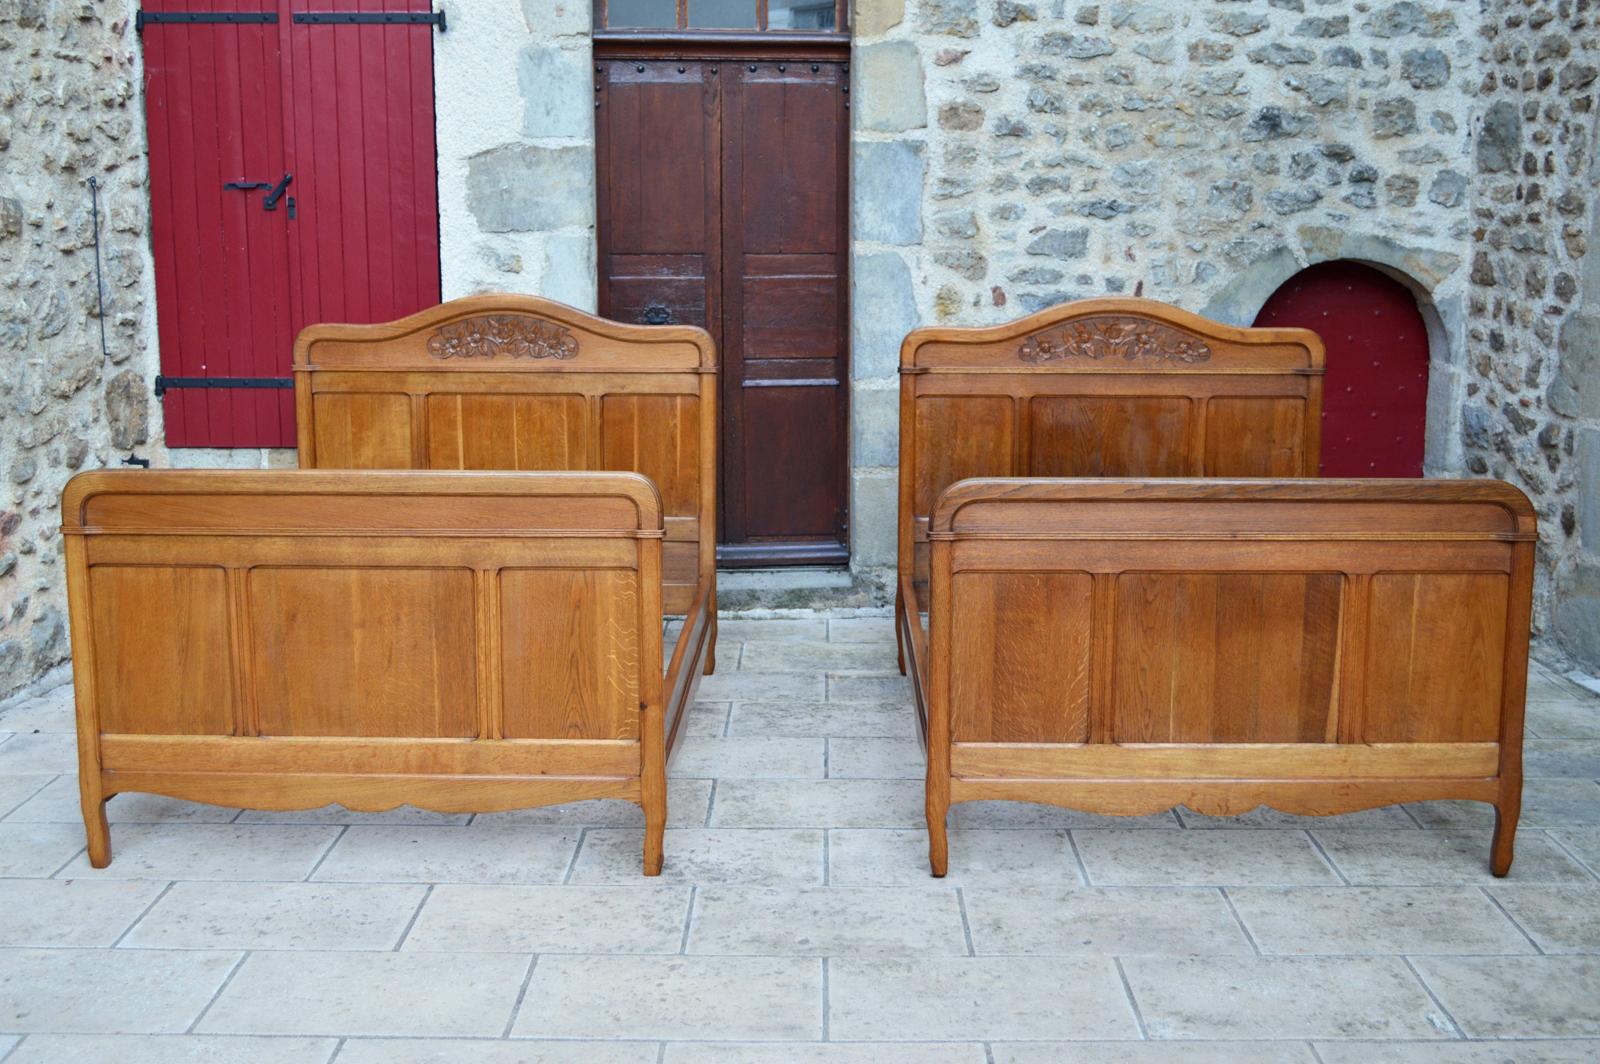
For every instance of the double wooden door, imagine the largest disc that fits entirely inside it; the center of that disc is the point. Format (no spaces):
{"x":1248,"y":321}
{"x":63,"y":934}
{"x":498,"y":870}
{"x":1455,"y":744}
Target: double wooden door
{"x":723,"y":204}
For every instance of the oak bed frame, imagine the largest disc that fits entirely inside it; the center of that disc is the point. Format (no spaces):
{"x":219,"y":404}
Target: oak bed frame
{"x":1125,"y":646}
{"x":465,"y":642}
{"x":505,"y":381}
{"x":1094,"y":388}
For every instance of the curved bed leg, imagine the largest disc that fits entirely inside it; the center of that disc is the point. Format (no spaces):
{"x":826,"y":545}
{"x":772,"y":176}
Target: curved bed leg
{"x":711,"y":648}
{"x":938,"y":808}
{"x":655,"y":824}
{"x":1506,"y":815}
{"x":97,"y":829}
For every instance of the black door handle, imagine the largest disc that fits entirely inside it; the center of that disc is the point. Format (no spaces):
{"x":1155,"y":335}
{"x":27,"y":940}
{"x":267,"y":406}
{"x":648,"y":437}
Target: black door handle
{"x":274,"y":192}
{"x":271,"y":202}
{"x":657,"y":314}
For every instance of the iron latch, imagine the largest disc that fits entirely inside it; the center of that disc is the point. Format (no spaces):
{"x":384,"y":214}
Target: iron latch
{"x":165,"y":384}
{"x":371,"y":18}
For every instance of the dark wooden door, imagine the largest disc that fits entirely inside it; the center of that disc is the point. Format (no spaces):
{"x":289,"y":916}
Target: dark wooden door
{"x":722,"y":204}
{"x":1375,"y":393}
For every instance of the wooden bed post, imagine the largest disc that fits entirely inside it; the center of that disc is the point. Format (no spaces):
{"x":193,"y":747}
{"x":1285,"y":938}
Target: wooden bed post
{"x":1513,"y":705}
{"x":938,"y":731}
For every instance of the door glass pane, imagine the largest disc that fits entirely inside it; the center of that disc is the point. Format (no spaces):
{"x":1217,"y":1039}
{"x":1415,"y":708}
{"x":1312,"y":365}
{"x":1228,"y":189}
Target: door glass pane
{"x":642,"y":14}
{"x":800,"y":15}
{"x":722,"y":14}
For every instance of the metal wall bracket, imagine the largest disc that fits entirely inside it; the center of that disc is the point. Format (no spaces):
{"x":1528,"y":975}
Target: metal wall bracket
{"x":372,"y":18}
{"x":165,"y":384}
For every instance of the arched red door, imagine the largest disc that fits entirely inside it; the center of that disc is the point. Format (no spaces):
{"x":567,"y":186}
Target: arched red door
{"x":1375,"y":394}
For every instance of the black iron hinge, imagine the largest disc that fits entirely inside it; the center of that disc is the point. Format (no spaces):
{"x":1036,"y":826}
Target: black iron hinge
{"x":229,"y":18}
{"x":371,"y":18}
{"x":165,"y":384}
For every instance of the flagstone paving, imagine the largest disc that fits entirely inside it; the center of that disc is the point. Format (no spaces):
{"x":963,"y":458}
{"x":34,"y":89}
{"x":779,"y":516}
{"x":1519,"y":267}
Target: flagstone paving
{"x":795,"y":920}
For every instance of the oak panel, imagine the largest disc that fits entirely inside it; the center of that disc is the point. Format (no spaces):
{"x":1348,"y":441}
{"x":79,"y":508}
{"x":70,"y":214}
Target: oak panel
{"x":1020,"y":657}
{"x":659,"y":436}
{"x":467,"y":431}
{"x":1255,"y":437}
{"x":1434,"y":657}
{"x":393,"y":651}
{"x":570,"y":654}
{"x":1225,"y":657}
{"x":960,"y":437}
{"x":363,"y":431}
{"x":161,"y":650}
{"x":1111,"y":436}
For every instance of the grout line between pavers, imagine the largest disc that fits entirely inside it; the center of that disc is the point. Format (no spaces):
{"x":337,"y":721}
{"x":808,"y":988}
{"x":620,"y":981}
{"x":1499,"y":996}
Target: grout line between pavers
{"x":1454,"y":1026}
{"x":572,"y":862}
{"x":661,"y":1053}
{"x":1315,"y":1055}
{"x":137,"y":920}
{"x":1083,"y":869}
{"x":31,"y":795}
{"x":314,"y":868}
{"x":79,"y":852}
{"x":826,"y":1005}
{"x":416,"y":914}
{"x":522,"y":993}
{"x":1486,"y":892}
{"x":711,"y":803}
{"x":1316,"y":844}
{"x":221,"y":989}
{"x":827,"y":862}
{"x":966,"y":925}
{"x":8,"y":1053}
{"x":988,"y":1053}
{"x":1228,"y":899}
{"x":688,"y":921}
{"x":1579,"y":861}
{"x":1133,"y":1002}
{"x":338,"y":1048}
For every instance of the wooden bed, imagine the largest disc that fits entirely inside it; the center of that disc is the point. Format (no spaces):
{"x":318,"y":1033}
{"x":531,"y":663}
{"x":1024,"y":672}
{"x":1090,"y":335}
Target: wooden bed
{"x":1124,"y":646}
{"x":516,"y":382}
{"x":1095,"y":388}
{"x":458,"y":641}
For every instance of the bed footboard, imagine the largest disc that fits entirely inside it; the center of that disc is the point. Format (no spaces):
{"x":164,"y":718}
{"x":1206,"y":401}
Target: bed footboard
{"x":1123,"y":646}
{"x":464,"y":642}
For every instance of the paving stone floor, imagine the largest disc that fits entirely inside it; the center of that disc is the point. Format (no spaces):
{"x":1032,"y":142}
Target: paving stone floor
{"x":796,"y":920}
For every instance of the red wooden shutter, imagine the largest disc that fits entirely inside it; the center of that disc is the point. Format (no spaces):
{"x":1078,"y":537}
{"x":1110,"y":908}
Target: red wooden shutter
{"x":335,"y":95}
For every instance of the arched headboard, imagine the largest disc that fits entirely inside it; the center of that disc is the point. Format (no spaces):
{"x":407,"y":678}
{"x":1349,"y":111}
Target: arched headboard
{"x":1100,"y":388}
{"x":515,"y":382}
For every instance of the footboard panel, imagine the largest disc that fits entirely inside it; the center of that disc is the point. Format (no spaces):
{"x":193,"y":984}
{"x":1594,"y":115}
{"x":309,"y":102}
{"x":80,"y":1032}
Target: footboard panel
{"x":1319,"y":646}
{"x":283,"y":640}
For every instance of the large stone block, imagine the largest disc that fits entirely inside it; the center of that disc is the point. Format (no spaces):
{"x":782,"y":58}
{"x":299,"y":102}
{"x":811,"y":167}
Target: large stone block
{"x":569,"y":269}
{"x":875,"y":16}
{"x":1589,"y":489}
{"x":875,"y":426}
{"x":553,"y":103}
{"x":1576,"y":612}
{"x":1575,"y":391}
{"x":1500,"y":140}
{"x":889,"y":89}
{"x":873,"y":514}
{"x":519,"y":188}
{"x":562,"y":18}
{"x":884,"y":309}
{"x":888,"y":191}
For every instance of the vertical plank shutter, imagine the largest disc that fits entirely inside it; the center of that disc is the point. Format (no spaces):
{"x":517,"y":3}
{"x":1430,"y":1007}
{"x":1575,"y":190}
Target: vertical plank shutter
{"x":292,"y":180}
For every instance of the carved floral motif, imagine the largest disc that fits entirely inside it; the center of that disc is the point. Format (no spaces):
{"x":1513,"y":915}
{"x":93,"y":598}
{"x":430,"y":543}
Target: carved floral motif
{"x":503,"y":336}
{"x":1114,"y":336}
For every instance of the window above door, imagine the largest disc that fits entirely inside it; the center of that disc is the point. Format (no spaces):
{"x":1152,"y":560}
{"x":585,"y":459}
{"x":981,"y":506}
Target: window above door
{"x":724,"y":16}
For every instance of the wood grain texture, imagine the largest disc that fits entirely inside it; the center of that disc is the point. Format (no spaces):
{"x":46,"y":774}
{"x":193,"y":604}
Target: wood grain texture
{"x":1318,"y":646}
{"x":460,"y":641}
{"x":1020,"y":658}
{"x":1224,"y":657}
{"x":1108,"y":436}
{"x":506,"y":381}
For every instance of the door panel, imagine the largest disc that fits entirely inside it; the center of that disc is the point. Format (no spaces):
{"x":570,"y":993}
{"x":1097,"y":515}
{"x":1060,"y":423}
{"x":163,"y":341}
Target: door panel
{"x":721,"y":204}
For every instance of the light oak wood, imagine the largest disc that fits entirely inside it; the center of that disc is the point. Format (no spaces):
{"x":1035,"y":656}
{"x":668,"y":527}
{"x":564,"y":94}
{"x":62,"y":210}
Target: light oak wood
{"x":462,"y":641}
{"x":506,"y":381}
{"x":1320,"y":646}
{"x":1097,"y":388}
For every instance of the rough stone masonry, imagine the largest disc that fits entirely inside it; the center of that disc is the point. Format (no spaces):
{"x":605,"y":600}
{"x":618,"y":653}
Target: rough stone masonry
{"x":1007,"y":155}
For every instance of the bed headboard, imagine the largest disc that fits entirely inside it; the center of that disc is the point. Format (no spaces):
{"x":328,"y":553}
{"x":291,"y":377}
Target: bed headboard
{"x":1101,"y":388}
{"x":516,"y":382}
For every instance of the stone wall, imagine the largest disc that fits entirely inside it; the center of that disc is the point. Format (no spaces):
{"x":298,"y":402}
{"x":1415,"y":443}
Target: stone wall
{"x":515,"y":105}
{"x":1532,"y":404}
{"x":69,"y":111}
